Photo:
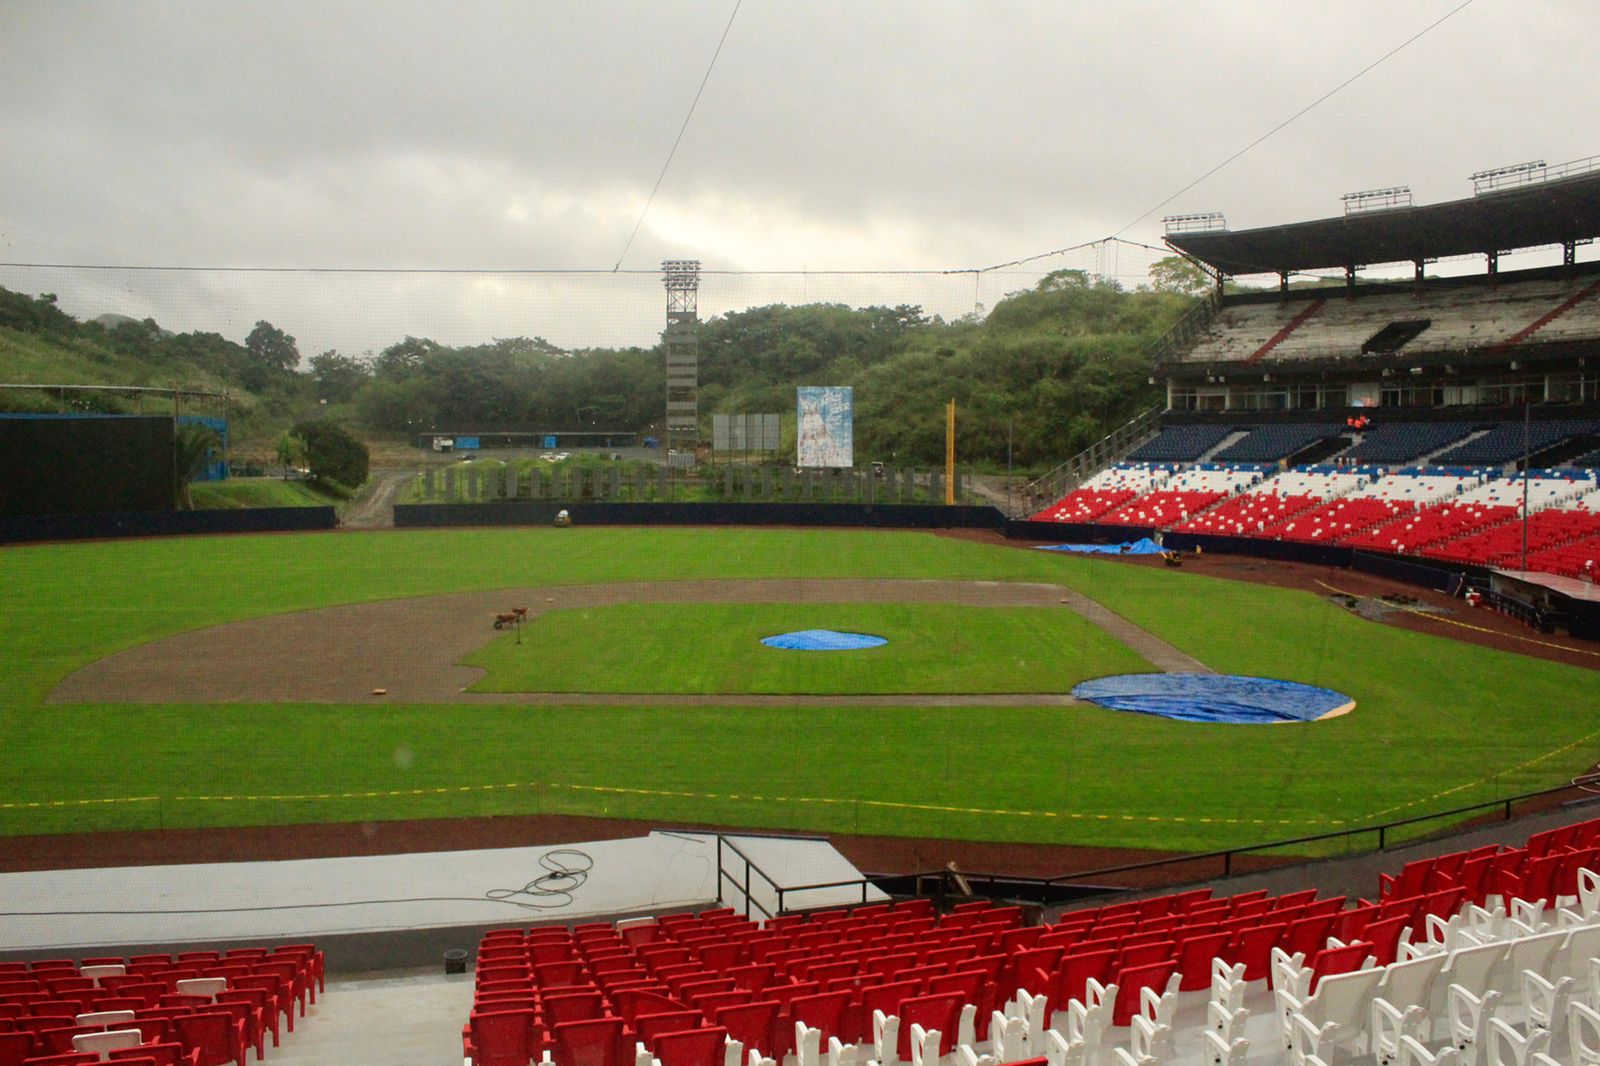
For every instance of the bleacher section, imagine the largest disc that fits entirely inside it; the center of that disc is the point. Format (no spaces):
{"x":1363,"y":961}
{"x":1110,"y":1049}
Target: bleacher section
{"x":1180,"y":444}
{"x":1106,"y":491}
{"x":1276,"y":501}
{"x":1184,"y":494}
{"x":1508,"y":441}
{"x":1487,"y":505}
{"x":1453,"y":513}
{"x":196,"y":1008}
{"x":1493,"y":951}
{"x":1271,"y":443}
{"x":1460,"y":318}
{"x":1406,"y":442}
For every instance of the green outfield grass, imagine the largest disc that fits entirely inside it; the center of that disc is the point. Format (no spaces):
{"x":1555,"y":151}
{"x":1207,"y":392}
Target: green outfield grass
{"x":1438,"y":723}
{"x":716,"y":648}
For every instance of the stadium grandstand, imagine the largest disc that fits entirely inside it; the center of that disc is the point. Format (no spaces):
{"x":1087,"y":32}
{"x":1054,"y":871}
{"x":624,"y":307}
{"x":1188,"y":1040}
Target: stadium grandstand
{"x":1446,"y":421}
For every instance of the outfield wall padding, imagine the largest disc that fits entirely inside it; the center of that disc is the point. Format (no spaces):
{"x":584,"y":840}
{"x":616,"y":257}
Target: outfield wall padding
{"x":18,"y":529}
{"x":846,"y":515}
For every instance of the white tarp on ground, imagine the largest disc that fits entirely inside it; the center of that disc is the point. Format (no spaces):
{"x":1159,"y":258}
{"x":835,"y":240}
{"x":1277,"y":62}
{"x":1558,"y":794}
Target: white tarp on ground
{"x":68,"y":909}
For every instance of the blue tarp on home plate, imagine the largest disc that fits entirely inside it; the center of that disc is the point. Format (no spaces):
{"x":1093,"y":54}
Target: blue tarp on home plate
{"x":823,"y":640}
{"x":1214,"y":698}
{"x":1138,"y":547}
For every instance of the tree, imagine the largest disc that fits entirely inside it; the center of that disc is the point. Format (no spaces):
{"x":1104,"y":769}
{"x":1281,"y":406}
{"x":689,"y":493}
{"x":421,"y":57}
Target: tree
{"x":338,"y":376}
{"x":192,"y":444}
{"x":333,"y":454}
{"x":290,"y":450}
{"x":271,"y":349}
{"x":1180,"y":275}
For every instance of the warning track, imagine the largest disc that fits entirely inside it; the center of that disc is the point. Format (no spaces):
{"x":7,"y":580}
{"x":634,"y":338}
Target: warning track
{"x":413,"y":647}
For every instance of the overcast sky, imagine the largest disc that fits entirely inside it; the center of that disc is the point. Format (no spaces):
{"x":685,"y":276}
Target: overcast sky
{"x":831,"y":136}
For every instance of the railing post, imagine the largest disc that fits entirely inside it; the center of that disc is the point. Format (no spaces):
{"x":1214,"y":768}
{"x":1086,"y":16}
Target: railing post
{"x":747,"y":888}
{"x":1382,"y":836}
{"x":719,"y":869}
{"x":1227,"y":864}
{"x":780,"y":900}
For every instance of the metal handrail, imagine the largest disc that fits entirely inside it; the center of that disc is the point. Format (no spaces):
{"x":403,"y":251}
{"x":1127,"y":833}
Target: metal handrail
{"x":1227,"y":855}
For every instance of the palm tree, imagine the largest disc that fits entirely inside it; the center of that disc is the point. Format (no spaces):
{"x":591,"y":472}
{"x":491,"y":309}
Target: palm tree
{"x":192,"y":444}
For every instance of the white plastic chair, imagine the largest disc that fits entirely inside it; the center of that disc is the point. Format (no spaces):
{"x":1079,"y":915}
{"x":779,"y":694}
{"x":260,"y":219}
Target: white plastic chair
{"x":1507,"y":1047}
{"x":1469,"y":1017}
{"x":1008,"y":1038}
{"x":1583,"y":944}
{"x":1035,"y":1011}
{"x":1336,"y":1013}
{"x":1228,"y":986}
{"x":1471,"y":968}
{"x":1089,"y":1021}
{"x":1527,"y":953}
{"x":1400,"y":1005}
{"x":1289,"y":972}
{"x":107,"y":969}
{"x":1121,"y":1057}
{"x":1158,"y":1007}
{"x":807,"y":1045}
{"x":1543,"y":1002}
{"x":1414,"y":1053}
{"x":1526,"y":918}
{"x":1216,"y":1051}
{"x":1150,"y":1039}
{"x":1583,"y":1034}
{"x":1227,"y":1024}
{"x":111,"y":1040}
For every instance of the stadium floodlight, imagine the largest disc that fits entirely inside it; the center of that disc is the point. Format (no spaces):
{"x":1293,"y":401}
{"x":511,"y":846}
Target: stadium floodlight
{"x":1515,"y":174}
{"x":1356,"y":203}
{"x":1196,"y":223}
{"x":680,"y":275}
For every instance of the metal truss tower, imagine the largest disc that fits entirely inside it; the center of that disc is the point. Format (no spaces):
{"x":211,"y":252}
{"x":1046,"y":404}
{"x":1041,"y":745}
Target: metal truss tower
{"x":682,"y":280}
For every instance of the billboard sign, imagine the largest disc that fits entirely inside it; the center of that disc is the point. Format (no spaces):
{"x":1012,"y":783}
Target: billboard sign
{"x":825,"y":426}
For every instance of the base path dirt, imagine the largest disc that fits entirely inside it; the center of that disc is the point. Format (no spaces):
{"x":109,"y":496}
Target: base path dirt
{"x":412,"y":649}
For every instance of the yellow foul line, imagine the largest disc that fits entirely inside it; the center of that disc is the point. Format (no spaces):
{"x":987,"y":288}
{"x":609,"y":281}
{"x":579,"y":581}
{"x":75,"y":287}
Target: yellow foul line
{"x":1433,"y":616}
{"x":740,"y":797}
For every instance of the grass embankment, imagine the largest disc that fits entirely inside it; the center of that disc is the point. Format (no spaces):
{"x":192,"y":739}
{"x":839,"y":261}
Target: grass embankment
{"x":238,"y":493}
{"x":1437,"y":724}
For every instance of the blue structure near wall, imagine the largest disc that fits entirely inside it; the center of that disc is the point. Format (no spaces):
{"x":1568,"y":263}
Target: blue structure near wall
{"x":217,"y":465}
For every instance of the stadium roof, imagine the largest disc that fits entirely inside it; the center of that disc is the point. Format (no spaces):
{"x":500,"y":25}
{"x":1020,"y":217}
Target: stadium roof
{"x":1527,"y":216}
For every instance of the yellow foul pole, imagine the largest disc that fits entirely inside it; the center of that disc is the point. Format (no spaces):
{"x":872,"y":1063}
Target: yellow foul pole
{"x":950,"y":453}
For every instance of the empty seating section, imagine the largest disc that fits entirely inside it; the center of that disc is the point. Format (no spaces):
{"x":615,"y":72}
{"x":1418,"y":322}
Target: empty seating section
{"x":1460,"y":318}
{"x":1279,"y":499}
{"x":1271,"y":443}
{"x":1106,"y":491}
{"x":1587,"y":461}
{"x":1490,"y":504}
{"x":1184,"y":494}
{"x":195,"y":1009}
{"x":1506,"y":442}
{"x":1448,"y":949}
{"x":1181,"y":444}
{"x":1406,"y":442}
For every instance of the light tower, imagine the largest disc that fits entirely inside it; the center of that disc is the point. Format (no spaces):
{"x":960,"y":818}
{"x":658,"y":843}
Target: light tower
{"x":682,"y":280}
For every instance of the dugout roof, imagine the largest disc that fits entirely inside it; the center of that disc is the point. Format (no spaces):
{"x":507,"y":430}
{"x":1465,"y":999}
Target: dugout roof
{"x":1527,"y":216}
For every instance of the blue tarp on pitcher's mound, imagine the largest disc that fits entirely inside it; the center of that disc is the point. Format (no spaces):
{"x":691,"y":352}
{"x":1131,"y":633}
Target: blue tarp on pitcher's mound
{"x":1215,"y":698}
{"x":1145,"y":546}
{"x":823,"y":640}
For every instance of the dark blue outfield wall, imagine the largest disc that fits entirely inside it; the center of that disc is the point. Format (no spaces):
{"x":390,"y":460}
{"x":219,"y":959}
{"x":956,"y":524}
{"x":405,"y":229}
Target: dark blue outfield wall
{"x":543,"y":513}
{"x":1434,"y":575}
{"x":15,"y":529}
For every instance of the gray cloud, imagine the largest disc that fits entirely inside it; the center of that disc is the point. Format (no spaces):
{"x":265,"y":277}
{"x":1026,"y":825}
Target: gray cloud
{"x":835,"y":135}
